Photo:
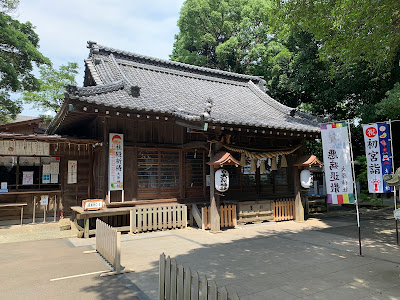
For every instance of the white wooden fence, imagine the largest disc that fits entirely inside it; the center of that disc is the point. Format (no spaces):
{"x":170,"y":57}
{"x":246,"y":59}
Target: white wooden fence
{"x":177,"y":282}
{"x":108,"y":244}
{"x":158,"y":217}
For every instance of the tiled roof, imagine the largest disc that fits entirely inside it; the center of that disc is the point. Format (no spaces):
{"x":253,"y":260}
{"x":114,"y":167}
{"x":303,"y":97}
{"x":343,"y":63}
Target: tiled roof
{"x":137,"y":82}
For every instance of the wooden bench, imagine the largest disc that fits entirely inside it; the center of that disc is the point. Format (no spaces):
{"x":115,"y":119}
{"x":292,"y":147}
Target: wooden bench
{"x":80,"y":213}
{"x":15,"y":205}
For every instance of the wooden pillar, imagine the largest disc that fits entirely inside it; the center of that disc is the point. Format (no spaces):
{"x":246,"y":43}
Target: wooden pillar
{"x":91,"y":173}
{"x":299,"y":209}
{"x":106,"y":131}
{"x":215,"y":218}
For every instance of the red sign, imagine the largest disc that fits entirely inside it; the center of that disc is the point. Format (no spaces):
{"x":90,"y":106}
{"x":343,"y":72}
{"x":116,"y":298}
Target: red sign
{"x":371,"y":132}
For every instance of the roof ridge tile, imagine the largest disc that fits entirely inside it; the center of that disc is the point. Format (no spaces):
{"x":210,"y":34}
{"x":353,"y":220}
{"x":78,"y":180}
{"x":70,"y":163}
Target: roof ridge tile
{"x":96,"y":48}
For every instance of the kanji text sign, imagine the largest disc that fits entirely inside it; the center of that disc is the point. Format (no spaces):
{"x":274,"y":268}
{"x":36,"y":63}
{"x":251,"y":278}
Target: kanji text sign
{"x":378,"y":153}
{"x":337,"y":163}
{"x":116,"y":162}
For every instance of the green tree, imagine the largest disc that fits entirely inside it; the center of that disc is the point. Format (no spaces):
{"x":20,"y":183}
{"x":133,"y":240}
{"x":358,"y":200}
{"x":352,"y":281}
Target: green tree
{"x":18,"y":52}
{"x":390,"y":106}
{"x":235,"y":35}
{"x":351,"y":31}
{"x":7,"y":6}
{"x":296,"y":76}
{"x":224,"y":34}
{"x":52,"y":83}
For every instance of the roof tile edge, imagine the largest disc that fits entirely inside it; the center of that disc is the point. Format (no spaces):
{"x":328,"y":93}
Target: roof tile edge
{"x":96,"y":48}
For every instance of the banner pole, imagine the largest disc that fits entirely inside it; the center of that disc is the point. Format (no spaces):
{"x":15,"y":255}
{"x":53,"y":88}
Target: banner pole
{"x":354,"y":186}
{"x":394,"y":187}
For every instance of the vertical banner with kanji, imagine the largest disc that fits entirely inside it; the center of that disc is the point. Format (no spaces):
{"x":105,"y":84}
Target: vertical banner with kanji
{"x":337,"y":162}
{"x":116,"y":162}
{"x":377,"y":150}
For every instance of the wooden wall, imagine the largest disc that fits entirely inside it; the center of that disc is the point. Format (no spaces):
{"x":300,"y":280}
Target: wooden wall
{"x":71,"y":195}
{"x":159,"y":134}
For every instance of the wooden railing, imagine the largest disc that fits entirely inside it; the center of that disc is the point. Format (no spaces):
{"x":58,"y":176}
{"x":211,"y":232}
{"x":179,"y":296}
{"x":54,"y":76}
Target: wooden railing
{"x":227,"y":216}
{"x":179,"y":282}
{"x":108,"y":244}
{"x":156,"y":218}
{"x":284,"y":209}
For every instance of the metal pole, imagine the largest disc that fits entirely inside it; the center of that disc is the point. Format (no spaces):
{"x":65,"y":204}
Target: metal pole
{"x":355,"y":186}
{"x":394,"y":188}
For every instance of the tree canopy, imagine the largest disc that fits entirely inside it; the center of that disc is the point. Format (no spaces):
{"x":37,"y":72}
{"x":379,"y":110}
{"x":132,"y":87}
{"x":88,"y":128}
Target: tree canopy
{"x":350,"y":31}
{"x":322,"y":56}
{"x":18,"y":53}
{"x":52,"y":83}
{"x":224,"y":34}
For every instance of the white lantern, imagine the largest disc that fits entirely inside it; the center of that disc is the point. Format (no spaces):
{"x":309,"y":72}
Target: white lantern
{"x":222,"y":180}
{"x":306,"y":179}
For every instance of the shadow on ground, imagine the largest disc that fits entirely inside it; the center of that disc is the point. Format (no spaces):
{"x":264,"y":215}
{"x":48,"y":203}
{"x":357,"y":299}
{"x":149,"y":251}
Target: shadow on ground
{"x":283,"y":261}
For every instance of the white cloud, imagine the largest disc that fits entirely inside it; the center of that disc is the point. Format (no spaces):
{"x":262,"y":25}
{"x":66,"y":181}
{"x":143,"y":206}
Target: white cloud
{"x":64,"y":26}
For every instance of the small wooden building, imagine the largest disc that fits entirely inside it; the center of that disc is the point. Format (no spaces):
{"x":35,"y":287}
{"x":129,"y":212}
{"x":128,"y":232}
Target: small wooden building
{"x":25,"y":125}
{"x":32,"y":165}
{"x":172,"y":118}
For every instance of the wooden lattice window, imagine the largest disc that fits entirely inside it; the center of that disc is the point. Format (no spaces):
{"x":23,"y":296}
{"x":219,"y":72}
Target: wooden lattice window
{"x":194,"y":169}
{"x":169,"y":169}
{"x":158,"y":169}
{"x":281,"y":176}
{"x":247,"y":177}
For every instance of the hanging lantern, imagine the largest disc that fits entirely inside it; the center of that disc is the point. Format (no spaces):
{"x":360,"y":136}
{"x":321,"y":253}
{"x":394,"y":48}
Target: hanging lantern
{"x":274,"y":166}
{"x":222,"y":180}
{"x":284,"y":162}
{"x":263,"y":169}
{"x":243,"y":160}
{"x":253,"y":165}
{"x":306,"y":179}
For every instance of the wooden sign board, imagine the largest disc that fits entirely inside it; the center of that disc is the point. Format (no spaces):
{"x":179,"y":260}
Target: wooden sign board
{"x":92,"y":204}
{"x":44,"y":200}
{"x":24,"y":148}
{"x":397,"y":214}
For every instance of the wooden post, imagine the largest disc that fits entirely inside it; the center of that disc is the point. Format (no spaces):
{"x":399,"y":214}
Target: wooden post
{"x":34,"y":210}
{"x":299,"y":209}
{"x":44,"y":213}
{"x":187,"y":287}
{"x":55,"y":208}
{"x":106,"y":154}
{"x":168,"y":279}
{"x":161,"y":278}
{"x":204,"y":288}
{"x":215,"y":218}
{"x":86,"y":228}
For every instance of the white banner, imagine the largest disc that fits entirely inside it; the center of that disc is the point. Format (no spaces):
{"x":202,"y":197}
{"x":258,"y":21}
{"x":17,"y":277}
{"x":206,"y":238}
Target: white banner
{"x":116,"y":162}
{"x":337,"y":163}
{"x":378,"y":153}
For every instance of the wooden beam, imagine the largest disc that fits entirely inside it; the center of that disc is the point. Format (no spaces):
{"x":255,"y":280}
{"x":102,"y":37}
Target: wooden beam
{"x":215,"y":217}
{"x":106,"y":148}
{"x":299,"y":209}
{"x":196,"y":215}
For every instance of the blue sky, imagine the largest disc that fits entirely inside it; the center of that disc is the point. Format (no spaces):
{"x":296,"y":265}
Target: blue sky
{"x":64,"y":27}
